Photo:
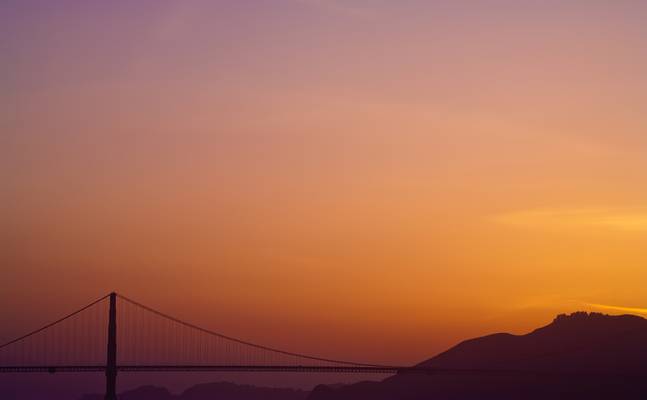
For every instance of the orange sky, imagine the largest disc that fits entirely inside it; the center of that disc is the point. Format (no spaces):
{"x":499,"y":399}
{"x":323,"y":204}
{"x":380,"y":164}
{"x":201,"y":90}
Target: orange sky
{"x":358,"y":172}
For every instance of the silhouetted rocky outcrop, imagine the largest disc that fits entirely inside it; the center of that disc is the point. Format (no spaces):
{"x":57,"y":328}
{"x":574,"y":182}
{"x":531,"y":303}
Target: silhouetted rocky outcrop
{"x":577,"y":356}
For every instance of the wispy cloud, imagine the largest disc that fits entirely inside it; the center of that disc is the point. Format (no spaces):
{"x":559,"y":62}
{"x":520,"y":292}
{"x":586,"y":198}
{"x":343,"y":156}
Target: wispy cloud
{"x":632,"y":219}
{"x":632,"y":310}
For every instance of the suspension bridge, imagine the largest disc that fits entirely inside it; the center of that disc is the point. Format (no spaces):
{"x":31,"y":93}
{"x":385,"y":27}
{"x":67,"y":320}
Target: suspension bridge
{"x":150,"y":340}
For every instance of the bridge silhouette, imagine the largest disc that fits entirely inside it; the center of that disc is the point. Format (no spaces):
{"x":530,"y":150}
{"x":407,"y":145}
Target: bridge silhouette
{"x":149,"y":340}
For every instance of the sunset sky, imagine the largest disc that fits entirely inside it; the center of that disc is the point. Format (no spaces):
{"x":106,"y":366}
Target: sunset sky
{"x":369,"y":180}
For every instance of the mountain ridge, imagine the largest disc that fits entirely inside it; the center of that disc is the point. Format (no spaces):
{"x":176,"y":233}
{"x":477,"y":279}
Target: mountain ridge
{"x":591,"y":339}
{"x":585,"y":355}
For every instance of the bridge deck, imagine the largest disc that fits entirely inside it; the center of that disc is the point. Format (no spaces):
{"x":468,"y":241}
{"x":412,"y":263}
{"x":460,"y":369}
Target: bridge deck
{"x":383,"y":370}
{"x":206,"y":368}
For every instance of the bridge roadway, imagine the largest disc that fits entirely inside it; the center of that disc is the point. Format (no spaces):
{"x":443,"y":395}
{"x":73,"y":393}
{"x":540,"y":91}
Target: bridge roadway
{"x":383,"y":370}
{"x":215,"y":368}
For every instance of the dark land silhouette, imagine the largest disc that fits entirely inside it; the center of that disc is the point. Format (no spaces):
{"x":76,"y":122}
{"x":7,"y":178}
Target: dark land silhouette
{"x":210,"y":391}
{"x":577,"y":356}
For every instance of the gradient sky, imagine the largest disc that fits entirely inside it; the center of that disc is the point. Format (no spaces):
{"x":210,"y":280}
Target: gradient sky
{"x":370,"y":180}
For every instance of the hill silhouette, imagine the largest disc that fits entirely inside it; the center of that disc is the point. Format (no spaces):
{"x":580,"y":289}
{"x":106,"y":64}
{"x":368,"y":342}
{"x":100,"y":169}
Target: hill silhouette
{"x":577,"y":356}
{"x":580,"y":342}
{"x":210,"y":391}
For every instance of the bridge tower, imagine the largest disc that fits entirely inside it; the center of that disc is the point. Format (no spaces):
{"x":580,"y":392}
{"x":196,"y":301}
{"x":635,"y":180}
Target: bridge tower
{"x":111,"y":358}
